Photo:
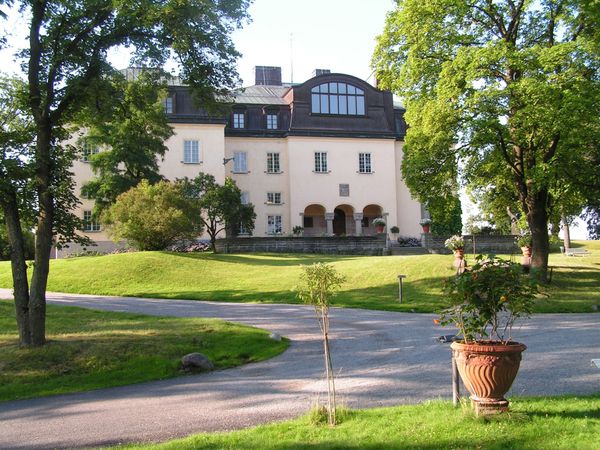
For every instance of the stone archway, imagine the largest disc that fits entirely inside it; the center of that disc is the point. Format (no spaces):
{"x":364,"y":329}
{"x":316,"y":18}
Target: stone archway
{"x":370,"y":212}
{"x":343,"y":220}
{"x":339,"y":222}
{"x":314,"y":220}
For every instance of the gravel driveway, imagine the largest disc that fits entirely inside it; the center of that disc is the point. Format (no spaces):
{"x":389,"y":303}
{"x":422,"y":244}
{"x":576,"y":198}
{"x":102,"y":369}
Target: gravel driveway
{"x":381,"y":359}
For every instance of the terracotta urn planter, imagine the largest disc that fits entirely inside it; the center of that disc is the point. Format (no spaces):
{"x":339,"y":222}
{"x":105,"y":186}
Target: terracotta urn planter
{"x":379,"y":228}
{"x":459,"y":259}
{"x":426,"y":227}
{"x":526,"y":259}
{"x":488,"y":370}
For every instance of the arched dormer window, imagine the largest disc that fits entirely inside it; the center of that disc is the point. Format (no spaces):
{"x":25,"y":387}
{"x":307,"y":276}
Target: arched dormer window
{"x":338,"y":98}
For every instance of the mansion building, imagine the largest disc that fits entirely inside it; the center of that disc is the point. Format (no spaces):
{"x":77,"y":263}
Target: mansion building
{"x":324,"y":155}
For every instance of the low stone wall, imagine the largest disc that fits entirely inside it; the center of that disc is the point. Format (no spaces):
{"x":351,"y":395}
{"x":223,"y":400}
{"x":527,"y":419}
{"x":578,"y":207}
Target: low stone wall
{"x":350,"y":245}
{"x":473,"y":244}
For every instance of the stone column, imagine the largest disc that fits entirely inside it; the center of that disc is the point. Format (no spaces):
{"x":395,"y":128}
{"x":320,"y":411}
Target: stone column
{"x":329,"y":219}
{"x":358,"y":217}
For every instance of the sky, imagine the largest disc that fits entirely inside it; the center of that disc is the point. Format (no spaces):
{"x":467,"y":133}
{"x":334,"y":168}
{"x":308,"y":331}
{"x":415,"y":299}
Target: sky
{"x":297,"y":35}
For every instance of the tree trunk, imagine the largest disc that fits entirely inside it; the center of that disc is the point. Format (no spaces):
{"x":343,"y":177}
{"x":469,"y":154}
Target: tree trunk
{"x":19,"y":268}
{"x":537,"y":218}
{"x":43,"y":241}
{"x":566,"y":233}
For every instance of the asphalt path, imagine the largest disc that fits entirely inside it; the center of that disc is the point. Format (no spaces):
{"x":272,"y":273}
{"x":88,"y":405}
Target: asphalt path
{"x":380,"y":359}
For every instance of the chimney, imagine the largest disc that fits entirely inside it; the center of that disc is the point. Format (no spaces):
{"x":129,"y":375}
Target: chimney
{"x":267,"y":76}
{"x":318,"y":72}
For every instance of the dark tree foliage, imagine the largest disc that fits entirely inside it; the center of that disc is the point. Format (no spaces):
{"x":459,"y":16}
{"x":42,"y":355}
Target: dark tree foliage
{"x":127,"y":122}
{"x":446,"y":216}
{"x":510,"y":88}
{"x":220,"y":207}
{"x":66,"y":66}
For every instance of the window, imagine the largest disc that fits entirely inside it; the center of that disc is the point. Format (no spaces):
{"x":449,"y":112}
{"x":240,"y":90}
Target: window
{"x":245,"y":198}
{"x":242,"y":230}
{"x":271,"y":121}
{"x":274,"y":224}
{"x":88,"y":223}
{"x":238,"y":120}
{"x":274,"y":198}
{"x":240,"y":162}
{"x":320,"y":162}
{"x":273,"y":163}
{"x":338,"y":98}
{"x":364,"y":162}
{"x":168,"y":104}
{"x":88,"y":149}
{"x":191,"y":152}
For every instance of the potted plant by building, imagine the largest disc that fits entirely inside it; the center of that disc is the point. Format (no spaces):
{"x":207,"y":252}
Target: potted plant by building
{"x":486,"y":300}
{"x":456,"y":243}
{"x":425,"y":224}
{"x":379,"y":224}
{"x":524,"y":241}
{"x":395,"y":230}
{"x":298,"y":230}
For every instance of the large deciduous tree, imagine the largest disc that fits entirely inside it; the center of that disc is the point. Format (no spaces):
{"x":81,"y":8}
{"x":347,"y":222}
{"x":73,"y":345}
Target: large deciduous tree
{"x":127,"y":121}
{"x":219,"y":206}
{"x":66,"y":62}
{"x":510,"y":87}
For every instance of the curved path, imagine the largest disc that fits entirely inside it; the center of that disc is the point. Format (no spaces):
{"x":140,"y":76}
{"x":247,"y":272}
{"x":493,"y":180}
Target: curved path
{"x":381,"y":358}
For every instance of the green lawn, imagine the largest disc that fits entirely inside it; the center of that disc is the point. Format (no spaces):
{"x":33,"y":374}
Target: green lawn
{"x":93,"y":349}
{"x":534,"y":423}
{"x":372,"y":281}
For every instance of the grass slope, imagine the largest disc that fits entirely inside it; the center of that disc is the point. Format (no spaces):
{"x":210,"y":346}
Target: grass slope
{"x":534,"y":423}
{"x":372,"y":281}
{"x":93,"y":349}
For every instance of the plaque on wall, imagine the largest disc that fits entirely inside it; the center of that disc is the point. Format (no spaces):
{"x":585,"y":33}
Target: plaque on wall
{"x":344,"y":190}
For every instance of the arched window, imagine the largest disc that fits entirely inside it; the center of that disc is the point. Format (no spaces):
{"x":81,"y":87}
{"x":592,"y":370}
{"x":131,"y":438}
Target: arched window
{"x":338,"y":98}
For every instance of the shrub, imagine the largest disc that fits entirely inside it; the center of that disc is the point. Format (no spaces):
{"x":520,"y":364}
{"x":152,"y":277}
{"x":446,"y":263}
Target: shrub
{"x":487,"y":299}
{"x":524,"y":240}
{"x":395,"y":229}
{"x":152,"y":217}
{"x":455,"y":242}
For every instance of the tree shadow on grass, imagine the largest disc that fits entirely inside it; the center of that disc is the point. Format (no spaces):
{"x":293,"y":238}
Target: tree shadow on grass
{"x":266,"y":259}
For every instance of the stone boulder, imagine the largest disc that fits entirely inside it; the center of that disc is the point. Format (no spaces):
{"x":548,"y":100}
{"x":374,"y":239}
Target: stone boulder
{"x":196,"y":361}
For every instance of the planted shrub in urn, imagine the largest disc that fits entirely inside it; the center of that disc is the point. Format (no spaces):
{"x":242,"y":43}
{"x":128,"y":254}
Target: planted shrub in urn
{"x":524,"y":241}
{"x":486,"y":301}
{"x":456,"y":243}
{"x":379,"y":224}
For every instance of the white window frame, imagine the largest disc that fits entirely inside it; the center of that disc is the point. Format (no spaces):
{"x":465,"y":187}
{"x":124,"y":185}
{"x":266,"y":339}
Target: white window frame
{"x":274,"y":198}
{"x":274,"y":224}
{"x":90,"y":225}
{"x":239,"y":120}
{"x":168,"y":104}
{"x":88,"y":149}
{"x":191,"y":152}
{"x":365,"y":163}
{"x":273,"y":162}
{"x":245,"y":197}
{"x":321,"y":162}
{"x":272,"y":122}
{"x":240,"y":162}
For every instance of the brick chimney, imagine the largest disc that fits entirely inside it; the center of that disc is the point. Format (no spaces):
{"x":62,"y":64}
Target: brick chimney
{"x":318,"y":72}
{"x":267,"y":76}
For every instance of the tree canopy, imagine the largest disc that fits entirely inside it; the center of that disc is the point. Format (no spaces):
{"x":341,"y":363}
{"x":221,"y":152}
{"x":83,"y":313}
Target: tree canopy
{"x":509,"y":88}
{"x":219,"y":207}
{"x":152,"y":216}
{"x":128,"y":123}
{"x":66,"y":65}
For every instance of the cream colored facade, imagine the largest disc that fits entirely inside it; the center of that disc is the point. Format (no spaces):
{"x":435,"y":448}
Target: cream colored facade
{"x":342,"y":198}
